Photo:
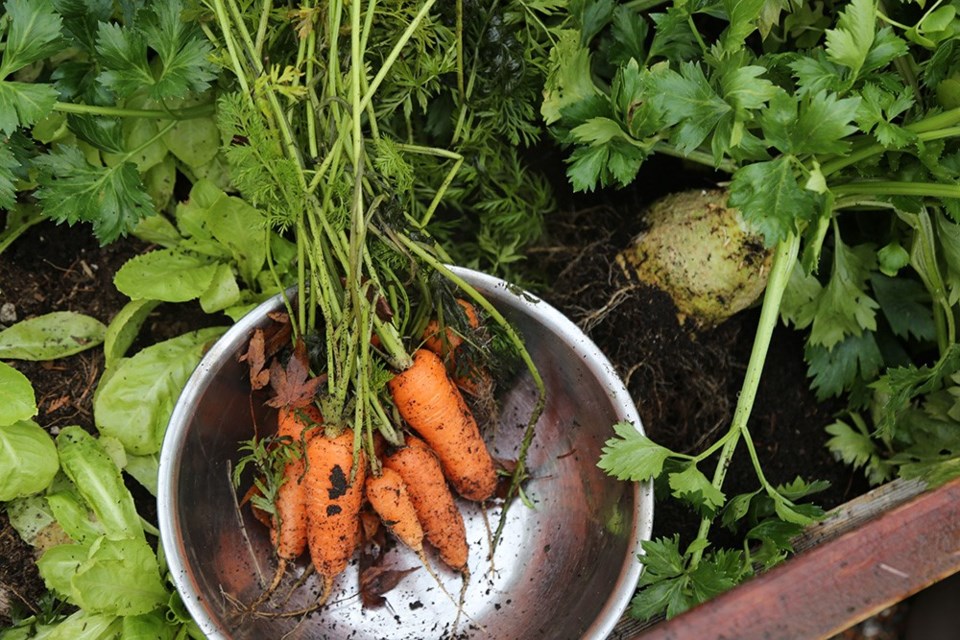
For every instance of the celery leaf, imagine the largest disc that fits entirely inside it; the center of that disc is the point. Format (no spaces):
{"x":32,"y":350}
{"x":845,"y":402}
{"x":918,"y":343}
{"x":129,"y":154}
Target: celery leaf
{"x":851,"y":446}
{"x":851,"y":41}
{"x":33,"y":34}
{"x":815,"y":73}
{"x":887,"y":46}
{"x":182,"y":50}
{"x":181,"y":64}
{"x":693,"y":486}
{"x":845,"y":308}
{"x":823,"y":123}
{"x":570,"y":81}
{"x":8,"y":162}
{"x":632,"y":455}
{"x":671,"y":583}
{"x":22,"y":104}
{"x":770,"y":199}
{"x":900,"y":386}
{"x":112,"y":199}
{"x":688,"y":100}
{"x":906,"y":306}
{"x":799,"y":304}
{"x":124,"y":53}
{"x":878,"y":111}
{"x":837,"y":370}
{"x":105,"y":134}
{"x":81,"y":20}
{"x":629,"y":31}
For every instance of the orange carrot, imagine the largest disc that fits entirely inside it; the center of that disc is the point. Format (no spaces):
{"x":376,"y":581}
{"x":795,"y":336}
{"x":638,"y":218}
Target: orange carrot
{"x":334,"y":497}
{"x":432,"y":405}
{"x":436,"y":511}
{"x":264,"y":518}
{"x":431,"y":335}
{"x":387,"y":494}
{"x":288,"y":531}
{"x":473,"y":380}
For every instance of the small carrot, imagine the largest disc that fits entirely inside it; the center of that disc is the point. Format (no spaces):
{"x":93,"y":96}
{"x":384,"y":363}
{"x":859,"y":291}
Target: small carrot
{"x":334,"y":497}
{"x":432,"y":405}
{"x":289,"y":527}
{"x":431,"y":498}
{"x":387,"y":494}
{"x":288,"y":521}
{"x":469,"y":378}
{"x":435,"y":342}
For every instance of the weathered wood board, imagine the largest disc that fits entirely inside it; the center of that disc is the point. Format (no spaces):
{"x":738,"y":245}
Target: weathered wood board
{"x":867,"y":554}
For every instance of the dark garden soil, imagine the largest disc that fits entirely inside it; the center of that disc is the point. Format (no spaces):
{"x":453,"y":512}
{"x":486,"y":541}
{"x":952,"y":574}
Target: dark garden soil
{"x":686,"y":383}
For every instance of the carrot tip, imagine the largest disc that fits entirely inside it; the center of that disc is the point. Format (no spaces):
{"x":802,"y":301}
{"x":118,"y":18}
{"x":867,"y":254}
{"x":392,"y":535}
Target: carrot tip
{"x":327,"y":590}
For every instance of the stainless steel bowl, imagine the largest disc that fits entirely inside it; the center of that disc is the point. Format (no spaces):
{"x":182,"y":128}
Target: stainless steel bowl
{"x":566,"y":568}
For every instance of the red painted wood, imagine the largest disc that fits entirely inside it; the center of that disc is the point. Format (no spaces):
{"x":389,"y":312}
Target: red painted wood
{"x":833,"y":586}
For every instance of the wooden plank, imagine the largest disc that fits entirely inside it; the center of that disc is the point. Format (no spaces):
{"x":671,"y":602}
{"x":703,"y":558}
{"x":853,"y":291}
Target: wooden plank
{"x":857,"y":512}
{"x":846,"y":517}
{"x":838,"y":583}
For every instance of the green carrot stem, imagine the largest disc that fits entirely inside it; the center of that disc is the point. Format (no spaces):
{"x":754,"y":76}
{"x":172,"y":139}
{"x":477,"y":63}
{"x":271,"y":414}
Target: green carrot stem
{"x":300,"y":320}
{"x":238,"y":68}
{"x":395,"y":52}
{"x":262,"y":28}
{"x":461,"y":88}
{"x":441,"y":190}
{"x":309,"y":51}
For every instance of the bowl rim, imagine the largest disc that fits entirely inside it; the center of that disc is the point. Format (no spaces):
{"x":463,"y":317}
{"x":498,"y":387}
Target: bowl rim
{"x":494,"y":289}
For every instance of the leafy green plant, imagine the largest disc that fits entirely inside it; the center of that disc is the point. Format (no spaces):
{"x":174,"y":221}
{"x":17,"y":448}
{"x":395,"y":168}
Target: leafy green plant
{"x":71,"y":491}
{"x":25,"y":447}
{"x":95,"y":112}
{"x":53,"y":335}
{"x":837,"y":125}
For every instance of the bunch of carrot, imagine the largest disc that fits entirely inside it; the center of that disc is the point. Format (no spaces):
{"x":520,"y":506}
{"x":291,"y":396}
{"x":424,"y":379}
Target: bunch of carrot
{"x":326,"y":480}
{"x":327,"y":174}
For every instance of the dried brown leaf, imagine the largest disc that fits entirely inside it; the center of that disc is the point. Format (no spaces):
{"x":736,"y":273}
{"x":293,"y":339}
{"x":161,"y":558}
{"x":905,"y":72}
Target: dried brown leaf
{"x":255,"y":357}
{"x":292,"y":385}
{"x":376,"y":580}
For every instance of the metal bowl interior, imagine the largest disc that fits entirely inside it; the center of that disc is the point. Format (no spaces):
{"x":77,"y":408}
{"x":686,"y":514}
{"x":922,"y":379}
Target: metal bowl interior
{"x":566,"y":566}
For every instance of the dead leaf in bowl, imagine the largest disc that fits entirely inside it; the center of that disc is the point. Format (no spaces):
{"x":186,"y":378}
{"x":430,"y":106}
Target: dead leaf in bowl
{"x":292,"y":384}
{"x":255,"y":357}
{"x":376,"y":580}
